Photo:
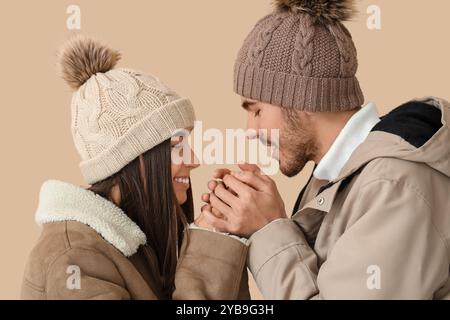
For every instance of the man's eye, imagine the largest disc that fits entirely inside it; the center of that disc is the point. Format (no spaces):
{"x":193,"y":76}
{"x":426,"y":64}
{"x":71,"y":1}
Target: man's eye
{"x":257,"y":113}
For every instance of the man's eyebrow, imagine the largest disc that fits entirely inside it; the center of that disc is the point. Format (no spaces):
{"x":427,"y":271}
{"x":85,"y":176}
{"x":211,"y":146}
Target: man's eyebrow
{"x":247,"y":104}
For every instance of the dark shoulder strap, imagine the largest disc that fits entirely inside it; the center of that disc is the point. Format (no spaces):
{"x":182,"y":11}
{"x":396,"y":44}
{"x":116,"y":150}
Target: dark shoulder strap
{"x":300,"y":196}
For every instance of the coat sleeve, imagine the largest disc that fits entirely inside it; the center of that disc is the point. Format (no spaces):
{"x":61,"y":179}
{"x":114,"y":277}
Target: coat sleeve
{"x":84,"y":274}
{"x":212,"y":266}
{"x":393,"y":251}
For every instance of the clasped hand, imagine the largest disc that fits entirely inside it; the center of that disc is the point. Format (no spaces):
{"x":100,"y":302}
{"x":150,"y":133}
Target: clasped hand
{"x":241,"y":203}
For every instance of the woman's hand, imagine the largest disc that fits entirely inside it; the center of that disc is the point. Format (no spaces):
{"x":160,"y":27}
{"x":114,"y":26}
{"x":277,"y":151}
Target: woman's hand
{"x":201,"y":221}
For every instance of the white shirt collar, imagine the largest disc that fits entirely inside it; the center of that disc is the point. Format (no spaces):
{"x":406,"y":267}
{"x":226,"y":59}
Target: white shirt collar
{"x":354,"y":133}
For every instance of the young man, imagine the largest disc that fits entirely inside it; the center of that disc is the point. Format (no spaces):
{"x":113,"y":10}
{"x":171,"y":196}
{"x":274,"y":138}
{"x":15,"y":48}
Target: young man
{"x":374,"y":220}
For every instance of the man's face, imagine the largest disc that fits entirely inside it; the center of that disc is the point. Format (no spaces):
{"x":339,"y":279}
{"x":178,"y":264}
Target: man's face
{"x":297,"y":143}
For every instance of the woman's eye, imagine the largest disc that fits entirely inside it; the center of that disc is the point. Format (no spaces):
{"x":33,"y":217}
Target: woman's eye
{"x":177,"y":143}
{"x":257,"y":113}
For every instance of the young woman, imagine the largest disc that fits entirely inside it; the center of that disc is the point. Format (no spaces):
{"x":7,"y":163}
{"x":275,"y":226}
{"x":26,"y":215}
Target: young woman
{"x":126,"y":236}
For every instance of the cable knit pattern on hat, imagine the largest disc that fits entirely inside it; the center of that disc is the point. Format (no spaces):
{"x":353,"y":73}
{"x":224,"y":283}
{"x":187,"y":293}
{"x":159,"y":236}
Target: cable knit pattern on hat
{"x":119,"y":114}
{"x":304,"y":47}
{"x":301,"y":58}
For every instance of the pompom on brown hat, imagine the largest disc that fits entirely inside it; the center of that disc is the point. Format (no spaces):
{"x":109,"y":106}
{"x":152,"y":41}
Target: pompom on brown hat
{"x":301,"y":56}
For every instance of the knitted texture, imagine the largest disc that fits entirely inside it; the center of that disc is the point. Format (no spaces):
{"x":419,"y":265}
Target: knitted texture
{"x":292,"y":60}
{"x":120,"y":114}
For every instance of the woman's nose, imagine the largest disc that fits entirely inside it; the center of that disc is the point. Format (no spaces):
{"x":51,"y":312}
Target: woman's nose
{"x":193,"y":162}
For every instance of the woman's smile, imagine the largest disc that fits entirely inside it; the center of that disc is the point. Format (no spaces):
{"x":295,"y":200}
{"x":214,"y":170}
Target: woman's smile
{"x":184,"y":181}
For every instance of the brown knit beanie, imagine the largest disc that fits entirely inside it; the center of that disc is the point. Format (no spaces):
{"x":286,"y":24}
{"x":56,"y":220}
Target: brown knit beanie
{"x":301,"y":56}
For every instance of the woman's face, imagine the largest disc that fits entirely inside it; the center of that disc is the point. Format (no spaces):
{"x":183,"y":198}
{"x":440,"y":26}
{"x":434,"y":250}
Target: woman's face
{"x":183,"y":162}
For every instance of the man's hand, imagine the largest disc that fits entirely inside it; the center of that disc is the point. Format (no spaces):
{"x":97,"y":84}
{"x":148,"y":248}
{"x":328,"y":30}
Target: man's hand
{"x":247,"y":201}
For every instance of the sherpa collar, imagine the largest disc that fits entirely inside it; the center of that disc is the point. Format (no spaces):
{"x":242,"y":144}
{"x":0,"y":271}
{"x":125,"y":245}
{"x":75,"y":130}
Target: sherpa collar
{"x":60,"y":201}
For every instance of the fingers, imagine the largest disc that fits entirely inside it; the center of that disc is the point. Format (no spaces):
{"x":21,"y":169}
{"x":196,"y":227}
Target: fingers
{"x":238,"y":186}
{"x":250,"y":178}
{"x":214,"y":211}
{"x":225,"y":195}
{"x":212,"y":185}
{"x":249,"y":167}
{"x":205,"y":197}
{"x":247,"y":178}
{"x":217,"y":223}
{"x":220,"y":173}
{"x":217,"y":213}
{"x":220,"y":205}
{"x":205,"y":207}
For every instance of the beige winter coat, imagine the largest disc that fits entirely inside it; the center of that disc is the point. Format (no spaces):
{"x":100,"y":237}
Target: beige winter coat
{"x":381,"y":230}
{"x":88,"y":250}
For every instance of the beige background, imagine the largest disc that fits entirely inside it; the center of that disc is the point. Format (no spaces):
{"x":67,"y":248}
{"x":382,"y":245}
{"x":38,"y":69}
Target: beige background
{"x":191,"y":45}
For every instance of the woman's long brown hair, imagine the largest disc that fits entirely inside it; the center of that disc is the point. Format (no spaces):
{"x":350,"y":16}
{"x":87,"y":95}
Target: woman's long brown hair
{"x":148,"y":198}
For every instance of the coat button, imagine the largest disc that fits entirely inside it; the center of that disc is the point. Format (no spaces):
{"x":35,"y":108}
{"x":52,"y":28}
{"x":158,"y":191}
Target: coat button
{"x":321,"y":201}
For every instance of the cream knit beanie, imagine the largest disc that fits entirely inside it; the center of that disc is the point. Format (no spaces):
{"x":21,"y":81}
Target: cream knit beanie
{"x":117,"y":114}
